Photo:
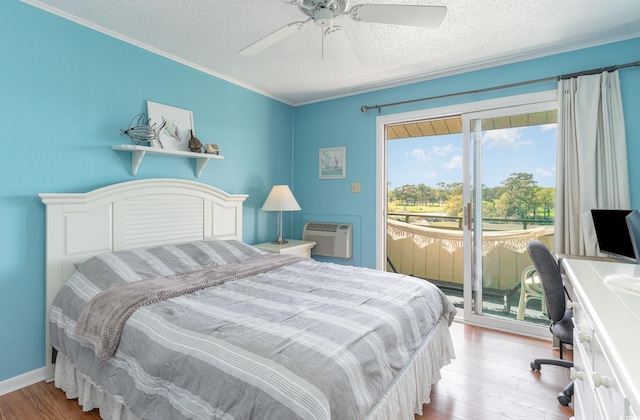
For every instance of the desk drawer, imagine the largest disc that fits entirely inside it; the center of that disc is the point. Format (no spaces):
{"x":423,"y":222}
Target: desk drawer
{"x":606,"y":384}
{"x":583,"y":396}
{"x":583,"y":332}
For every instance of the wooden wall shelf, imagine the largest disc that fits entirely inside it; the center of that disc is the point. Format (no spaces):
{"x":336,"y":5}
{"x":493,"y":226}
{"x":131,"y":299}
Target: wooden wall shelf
{"x":138,"y":152}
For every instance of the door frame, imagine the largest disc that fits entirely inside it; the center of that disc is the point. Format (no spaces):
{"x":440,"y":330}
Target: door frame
{"x":381,"y":174}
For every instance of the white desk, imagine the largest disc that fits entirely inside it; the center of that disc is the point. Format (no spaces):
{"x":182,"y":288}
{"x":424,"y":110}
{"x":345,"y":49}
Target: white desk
{"x":606,"y":341}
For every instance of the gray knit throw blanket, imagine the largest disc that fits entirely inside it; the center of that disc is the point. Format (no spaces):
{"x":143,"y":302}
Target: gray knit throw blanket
{"x":102,"y":320}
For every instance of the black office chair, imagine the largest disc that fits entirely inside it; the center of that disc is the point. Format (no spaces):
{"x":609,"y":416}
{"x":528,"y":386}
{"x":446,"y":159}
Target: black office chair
{"x":555,"y":298}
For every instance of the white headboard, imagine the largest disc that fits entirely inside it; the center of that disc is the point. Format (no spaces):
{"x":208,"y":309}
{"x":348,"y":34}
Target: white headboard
{"x":128,"y":215}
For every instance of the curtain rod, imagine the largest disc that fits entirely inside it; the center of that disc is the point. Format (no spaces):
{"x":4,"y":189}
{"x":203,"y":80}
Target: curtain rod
{"x":365,"y":108}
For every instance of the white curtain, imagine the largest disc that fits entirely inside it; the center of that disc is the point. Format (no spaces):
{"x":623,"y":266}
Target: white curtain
{"x":592,"y":158}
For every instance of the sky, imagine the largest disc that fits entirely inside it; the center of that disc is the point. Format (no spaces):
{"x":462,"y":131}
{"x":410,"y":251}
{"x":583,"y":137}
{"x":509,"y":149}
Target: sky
{"x":430,"y":160}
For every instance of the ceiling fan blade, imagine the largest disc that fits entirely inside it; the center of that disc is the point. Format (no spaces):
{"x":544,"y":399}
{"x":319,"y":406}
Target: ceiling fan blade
{"x":273,"y":38}
{"x":399,"y":14}
{"x":338,"y":45}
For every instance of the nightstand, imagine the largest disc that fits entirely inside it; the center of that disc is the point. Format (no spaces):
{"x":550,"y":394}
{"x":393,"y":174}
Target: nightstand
{"x":295,"y":247}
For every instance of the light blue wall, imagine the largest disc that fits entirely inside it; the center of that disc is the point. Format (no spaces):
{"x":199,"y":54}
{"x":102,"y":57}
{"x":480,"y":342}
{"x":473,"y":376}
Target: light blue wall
{"x":341,"y":123}
{"x":65,"y":93}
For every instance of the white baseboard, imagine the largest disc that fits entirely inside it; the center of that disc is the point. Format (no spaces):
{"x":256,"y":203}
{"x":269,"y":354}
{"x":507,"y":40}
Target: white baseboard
{"x":21,"y":381}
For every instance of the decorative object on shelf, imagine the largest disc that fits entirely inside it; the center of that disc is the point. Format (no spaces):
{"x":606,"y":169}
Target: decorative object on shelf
{"x":141,"y":130}
{"x":212,"y":148}
{"x":280,"y":199}
{"x":332,"y":162}
{"x":176,"y":129}
{"x":194,"y":144}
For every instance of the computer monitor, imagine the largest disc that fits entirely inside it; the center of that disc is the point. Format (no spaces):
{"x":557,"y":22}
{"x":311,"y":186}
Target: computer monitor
{"x":633,"y":222}
{"x":612,"y":233}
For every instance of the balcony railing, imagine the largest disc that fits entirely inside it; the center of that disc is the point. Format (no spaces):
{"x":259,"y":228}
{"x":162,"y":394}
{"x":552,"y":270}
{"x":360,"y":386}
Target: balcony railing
{"x":435,"y":253}
{"x":455,"y":222}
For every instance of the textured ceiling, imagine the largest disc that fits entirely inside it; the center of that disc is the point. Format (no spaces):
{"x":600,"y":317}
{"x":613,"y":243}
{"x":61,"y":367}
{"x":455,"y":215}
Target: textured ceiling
{"x":207,"y":34}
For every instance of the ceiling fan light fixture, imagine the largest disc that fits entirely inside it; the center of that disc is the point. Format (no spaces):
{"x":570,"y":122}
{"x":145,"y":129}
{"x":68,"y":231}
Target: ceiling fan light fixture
{"x":322,"y":17}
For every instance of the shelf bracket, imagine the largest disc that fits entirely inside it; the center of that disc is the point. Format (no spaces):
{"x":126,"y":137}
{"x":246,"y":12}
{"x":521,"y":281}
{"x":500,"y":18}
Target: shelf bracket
{"x":136,"y":158}
{"x":201,"y":163}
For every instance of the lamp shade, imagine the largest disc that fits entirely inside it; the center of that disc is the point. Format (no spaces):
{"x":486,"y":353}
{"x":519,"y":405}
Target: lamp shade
{"x":280,"y":199}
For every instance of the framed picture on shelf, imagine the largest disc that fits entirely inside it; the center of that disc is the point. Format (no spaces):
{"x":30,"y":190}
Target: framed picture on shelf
{"x":333,"y":162}
{"x":174,"y":126}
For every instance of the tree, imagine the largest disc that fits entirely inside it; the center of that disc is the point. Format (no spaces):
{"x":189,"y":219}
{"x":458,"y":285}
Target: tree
{"x":546,"y":197}
{"x":432,"y":196}
{"x":407,"y":195}
{"x":397,"y":195}
{"x":519,"y":196}
{"x":455,"y":188}
{"x":489,"y":208}
{"x":391,"y":196}
{"x":443,"y":193}
{"x":453,"y":206}
{"x":491,"y":194}
{"x":422,"y":192}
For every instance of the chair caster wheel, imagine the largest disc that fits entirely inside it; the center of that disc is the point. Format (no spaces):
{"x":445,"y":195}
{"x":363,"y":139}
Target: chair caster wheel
{"x":563,"y":399}
{"x":535,"y":366}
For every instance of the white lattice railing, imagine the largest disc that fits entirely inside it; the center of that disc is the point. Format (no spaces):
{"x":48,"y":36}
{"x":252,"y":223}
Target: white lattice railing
{"x":436,"y":253}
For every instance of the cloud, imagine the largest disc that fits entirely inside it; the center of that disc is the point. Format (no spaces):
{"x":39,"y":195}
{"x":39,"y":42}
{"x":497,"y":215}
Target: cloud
{"x":504,"y":138}
{"x":442,"y":150}
{"x":419,"y":155}
{"x":455,"y":162}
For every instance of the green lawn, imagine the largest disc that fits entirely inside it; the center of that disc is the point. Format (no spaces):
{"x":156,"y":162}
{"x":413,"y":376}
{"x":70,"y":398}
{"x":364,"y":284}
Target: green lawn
{"x":415,"y":209}
{"x":396,"y":206}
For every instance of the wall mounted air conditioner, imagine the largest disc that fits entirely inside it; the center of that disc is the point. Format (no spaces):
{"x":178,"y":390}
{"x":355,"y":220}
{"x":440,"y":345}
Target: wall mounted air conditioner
{"x":332,"y":239}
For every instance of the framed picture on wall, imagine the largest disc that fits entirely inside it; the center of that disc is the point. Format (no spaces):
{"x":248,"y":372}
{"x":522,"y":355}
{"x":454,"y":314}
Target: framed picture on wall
{"x":174,"y":126}
{"x":333,"y":162}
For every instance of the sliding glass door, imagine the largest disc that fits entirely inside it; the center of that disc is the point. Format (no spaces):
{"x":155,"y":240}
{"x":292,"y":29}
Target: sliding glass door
{"x":424,"y":218}
{"x":508,"y":197}
{"x":478,"y":183}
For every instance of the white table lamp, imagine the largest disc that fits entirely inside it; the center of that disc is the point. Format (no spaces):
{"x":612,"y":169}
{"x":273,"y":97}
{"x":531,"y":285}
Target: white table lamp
{"x":280,"y":199}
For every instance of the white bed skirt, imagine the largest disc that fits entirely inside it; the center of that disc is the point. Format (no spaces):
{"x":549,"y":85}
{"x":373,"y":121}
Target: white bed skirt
{"x":412,"y":388}
{"x":90,"y":396}
{"x":404,"y":398}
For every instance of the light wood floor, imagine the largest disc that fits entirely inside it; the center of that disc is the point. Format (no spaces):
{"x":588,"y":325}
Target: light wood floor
{"x":489,"y":380}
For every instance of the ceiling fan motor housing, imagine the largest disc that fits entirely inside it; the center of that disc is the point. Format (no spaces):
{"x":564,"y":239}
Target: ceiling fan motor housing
{"x":322,"y":17}
{"x":322,"y":11}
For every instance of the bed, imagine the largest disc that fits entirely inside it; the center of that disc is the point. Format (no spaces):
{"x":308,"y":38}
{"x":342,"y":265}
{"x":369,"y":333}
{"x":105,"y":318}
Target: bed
{"x":157,"y":309}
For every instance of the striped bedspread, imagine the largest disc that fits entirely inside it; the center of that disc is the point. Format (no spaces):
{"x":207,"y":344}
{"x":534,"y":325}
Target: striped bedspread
{"x":303,"y":341}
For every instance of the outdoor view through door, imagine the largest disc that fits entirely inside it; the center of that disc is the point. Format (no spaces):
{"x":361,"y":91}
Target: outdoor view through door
{"x":511,"y":190}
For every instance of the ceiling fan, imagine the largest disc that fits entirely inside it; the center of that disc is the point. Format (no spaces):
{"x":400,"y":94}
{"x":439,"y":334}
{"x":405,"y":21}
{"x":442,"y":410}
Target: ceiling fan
{"x":323,"y":13}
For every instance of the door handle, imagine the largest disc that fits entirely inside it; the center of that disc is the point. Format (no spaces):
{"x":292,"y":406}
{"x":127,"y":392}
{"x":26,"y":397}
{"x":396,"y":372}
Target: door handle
{"x":467,"y":216}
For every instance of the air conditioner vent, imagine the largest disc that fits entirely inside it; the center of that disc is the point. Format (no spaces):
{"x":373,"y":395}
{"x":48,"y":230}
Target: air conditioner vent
{"x":332,"y":239}
{"x":322,"y":227}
